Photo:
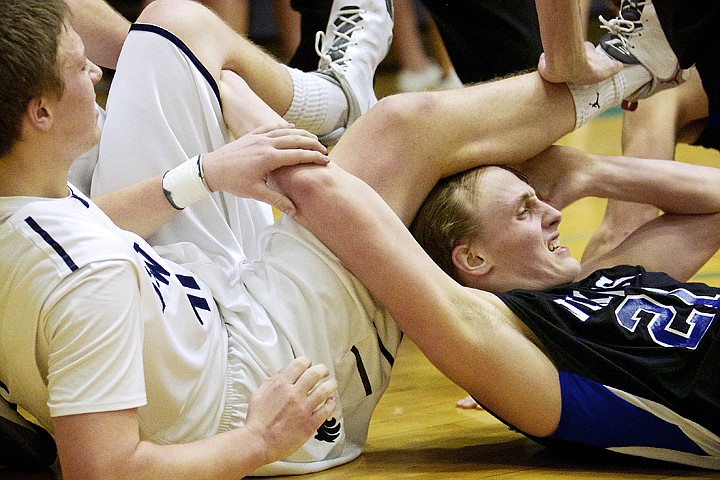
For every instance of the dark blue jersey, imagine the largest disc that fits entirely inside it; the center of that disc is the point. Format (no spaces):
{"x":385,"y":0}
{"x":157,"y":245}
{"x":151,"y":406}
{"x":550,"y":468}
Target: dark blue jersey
{"x":639,"y":332}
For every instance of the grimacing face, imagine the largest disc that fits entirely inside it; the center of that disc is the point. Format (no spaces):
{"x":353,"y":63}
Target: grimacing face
{"x":520,"y":236}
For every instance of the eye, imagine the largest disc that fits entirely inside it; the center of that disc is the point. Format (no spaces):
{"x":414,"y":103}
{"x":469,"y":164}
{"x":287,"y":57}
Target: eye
{"x":523,"y":212}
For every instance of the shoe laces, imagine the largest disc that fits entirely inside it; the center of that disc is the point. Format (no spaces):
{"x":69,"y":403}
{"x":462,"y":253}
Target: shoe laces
{"x":346,"y":23}
{"x":627,"y":21}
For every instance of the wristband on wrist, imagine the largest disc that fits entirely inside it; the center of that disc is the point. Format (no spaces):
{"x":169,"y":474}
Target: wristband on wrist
{"x":185,"y":184}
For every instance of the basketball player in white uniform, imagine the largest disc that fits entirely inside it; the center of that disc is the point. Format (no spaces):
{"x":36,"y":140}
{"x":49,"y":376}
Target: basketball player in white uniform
{"x":99,"y":326}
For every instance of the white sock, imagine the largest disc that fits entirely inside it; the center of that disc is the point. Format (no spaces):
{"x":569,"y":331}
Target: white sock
{"x":591,"y":100}
{"x":318,"y":106}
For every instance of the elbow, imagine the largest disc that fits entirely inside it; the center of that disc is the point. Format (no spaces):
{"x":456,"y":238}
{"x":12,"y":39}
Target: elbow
{"x":308,"y":185}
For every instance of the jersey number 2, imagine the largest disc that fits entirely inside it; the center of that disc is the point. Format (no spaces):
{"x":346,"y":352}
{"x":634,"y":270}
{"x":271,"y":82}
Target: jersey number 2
{"x":663,"y":323}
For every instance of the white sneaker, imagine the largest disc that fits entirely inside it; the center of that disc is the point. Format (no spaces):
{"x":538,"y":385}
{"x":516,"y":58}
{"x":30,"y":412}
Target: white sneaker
{"x":357,"y":39}
{"x":637,"y":32}
{"x":636,"y":36}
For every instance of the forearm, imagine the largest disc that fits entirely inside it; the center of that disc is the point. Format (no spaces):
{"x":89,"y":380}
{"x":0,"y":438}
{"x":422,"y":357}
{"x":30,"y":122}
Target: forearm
{"x":228,"y":455}
{"x":232,"y":454}
{"x":454,"y":326}
{"x":671,"y":186}
{"x":102,"y":29}
{"x":141,"y":208}
{"x":562,"y":33}
{"x":284,"y":411}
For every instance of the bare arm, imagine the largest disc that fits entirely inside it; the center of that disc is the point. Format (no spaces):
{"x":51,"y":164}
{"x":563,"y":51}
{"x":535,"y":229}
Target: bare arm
{"x":240,"y":168}
{"x":102,"y":29}
{"x":678,"y":242}
{"x":141,"y":208}
{"x":284,"y":412}
{"x":454,"y":326}
{"x":567,"y":57}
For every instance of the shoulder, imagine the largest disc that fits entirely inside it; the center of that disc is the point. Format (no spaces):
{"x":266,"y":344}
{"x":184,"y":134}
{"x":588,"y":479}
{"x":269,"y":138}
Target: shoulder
{"x":68,"y":233}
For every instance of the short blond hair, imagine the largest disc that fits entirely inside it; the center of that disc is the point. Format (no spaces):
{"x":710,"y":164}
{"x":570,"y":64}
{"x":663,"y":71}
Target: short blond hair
{"x":449,"y":217}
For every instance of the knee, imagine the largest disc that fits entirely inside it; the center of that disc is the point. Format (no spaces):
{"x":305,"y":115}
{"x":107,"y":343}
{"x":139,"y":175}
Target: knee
{"x":173,"y":15}
{"x":398,"y":112}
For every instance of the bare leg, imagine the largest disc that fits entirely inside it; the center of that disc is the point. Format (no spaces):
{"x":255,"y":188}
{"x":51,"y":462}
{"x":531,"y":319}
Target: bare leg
{"x":225,"y":49}
{"x":402,"y":147}
{"x":417,"y":71}
{"x":235,"y":12}
{"x":407,"y":142}
{"x":288,"y":22}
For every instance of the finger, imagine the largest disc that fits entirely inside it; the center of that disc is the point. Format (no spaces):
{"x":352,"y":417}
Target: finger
{"x":271,"y":127}
{"x":277,"y":200}
{"x":289,"y":158}
{"x":294,"y":370}
{"x":312,"y":378}
{"x":321,"y":391}
{"x":323,"y":399}
{"x":290,"y":129}
{"x":288,"y":139}
{"x":324,"y":411}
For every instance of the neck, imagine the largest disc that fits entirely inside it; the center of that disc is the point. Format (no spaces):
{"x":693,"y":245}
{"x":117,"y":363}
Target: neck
{"x":29,"y":174}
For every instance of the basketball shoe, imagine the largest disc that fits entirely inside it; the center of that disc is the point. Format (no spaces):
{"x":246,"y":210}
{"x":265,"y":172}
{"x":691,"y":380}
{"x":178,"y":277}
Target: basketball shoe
{"x":636,"y":37}
{"x":357,"y":39}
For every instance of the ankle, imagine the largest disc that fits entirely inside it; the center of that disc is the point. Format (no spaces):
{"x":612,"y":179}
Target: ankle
{"x":318,"y":106}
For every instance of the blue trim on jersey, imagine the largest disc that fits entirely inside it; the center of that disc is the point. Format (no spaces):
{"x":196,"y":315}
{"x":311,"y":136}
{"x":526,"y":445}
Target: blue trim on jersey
{"x":184,"y":48}
{"x":74,"y":195}
{"x":593,"y":415}
{"x":51,"y":241}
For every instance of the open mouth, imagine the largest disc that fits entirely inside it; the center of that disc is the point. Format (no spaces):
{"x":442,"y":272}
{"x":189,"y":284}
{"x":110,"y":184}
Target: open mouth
{"x":552,"y":246}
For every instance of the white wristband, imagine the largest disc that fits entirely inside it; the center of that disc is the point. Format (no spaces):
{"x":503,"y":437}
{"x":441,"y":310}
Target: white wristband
{"x":185,"y":184}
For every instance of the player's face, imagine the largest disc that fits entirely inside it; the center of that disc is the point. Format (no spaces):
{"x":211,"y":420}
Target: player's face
{"x":75,"y":112}
{"x":520,"y":235}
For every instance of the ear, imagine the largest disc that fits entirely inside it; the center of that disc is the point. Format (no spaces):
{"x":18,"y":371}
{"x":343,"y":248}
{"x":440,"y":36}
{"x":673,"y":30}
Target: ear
{"x":39,"y":113}
{"x":470,"y":260}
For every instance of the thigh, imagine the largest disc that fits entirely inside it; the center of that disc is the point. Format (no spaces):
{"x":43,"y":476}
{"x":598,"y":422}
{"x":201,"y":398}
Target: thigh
{"x":163,"y":108}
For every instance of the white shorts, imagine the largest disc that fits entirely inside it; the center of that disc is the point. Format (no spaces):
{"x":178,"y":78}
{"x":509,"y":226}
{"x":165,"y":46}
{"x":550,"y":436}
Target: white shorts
{"x":299,"y":300}
{"x":163,"y":108}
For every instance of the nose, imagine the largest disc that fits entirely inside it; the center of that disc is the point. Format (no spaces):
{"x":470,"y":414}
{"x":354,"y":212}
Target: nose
{"x":95,"y":72}
{"x":551,"y":216}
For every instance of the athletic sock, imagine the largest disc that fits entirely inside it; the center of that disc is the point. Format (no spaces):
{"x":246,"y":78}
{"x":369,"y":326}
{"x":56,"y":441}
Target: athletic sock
{"x":591,"y":100}
{"x":318,"y":106}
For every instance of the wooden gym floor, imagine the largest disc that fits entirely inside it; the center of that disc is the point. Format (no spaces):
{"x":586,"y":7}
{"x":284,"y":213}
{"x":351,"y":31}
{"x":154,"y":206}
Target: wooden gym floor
{"x":417,"y":432}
